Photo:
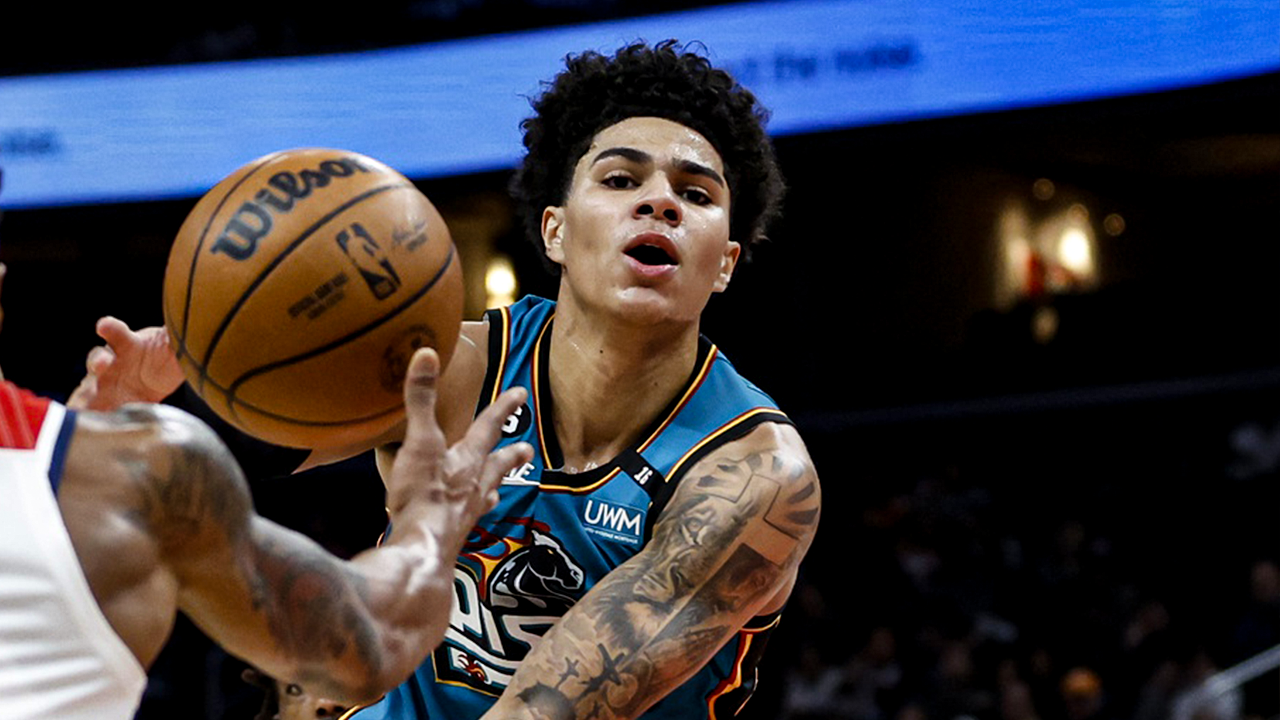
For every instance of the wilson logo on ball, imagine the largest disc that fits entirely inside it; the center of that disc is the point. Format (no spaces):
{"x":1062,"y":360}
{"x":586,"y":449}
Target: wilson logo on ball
{"x":239,"y":237}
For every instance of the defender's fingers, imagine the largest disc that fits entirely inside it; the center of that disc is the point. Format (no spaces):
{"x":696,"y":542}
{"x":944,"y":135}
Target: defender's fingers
{"x":99,"y":359}
{"x":420,"y":388}
{"x":153,"y":336}
{"x":487,"y":427}
{"x":501,"y":462}
{"x":117,"y":334}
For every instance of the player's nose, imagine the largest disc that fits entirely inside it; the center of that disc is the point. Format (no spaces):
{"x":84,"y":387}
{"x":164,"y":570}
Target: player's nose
{"x":327,"y":711}
{"x":659,"y":200}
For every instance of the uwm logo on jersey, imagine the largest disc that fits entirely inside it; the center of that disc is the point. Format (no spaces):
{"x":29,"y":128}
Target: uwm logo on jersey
{"x":511,"y":587}
{"x":615,"y":521}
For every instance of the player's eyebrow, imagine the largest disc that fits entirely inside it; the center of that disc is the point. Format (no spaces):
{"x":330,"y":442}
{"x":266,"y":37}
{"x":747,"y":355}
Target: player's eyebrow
{"x":642,"y":157}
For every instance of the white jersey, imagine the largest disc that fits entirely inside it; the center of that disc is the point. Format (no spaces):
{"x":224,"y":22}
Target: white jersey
{"x":59,"y":657}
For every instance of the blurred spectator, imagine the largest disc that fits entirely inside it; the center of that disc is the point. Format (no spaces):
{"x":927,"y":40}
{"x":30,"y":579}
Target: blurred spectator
{"x":1016,"y":702}
{"x":1196,"y":700}
{"x":1257,"y":629}
{"x":955,"y":689}
{"x":873,"y":677}
{"x":1082,"y":695}
{"x":812,"y":689}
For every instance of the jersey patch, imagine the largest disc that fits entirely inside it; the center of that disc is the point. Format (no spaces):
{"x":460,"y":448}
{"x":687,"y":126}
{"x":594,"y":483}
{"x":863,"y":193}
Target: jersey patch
{"x":613,"y":520}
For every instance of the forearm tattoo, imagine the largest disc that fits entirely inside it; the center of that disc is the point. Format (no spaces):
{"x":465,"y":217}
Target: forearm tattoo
{"x":727,"y":539}
{"x":311,"y":608}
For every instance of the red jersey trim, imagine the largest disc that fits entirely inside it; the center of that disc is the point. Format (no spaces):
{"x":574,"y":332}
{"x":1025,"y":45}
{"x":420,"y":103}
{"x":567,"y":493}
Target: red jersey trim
{"x":21,"y":415}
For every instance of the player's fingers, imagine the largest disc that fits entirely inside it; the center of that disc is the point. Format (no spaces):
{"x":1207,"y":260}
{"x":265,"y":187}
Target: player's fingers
{"x":117,"y":334}
{"x":156,"y":336}
{"x":99,"y":359}
{"x":487,"y":427}
{"x":502,"y":461}
{"x":85,"y":394}
{"x":420,"y":391}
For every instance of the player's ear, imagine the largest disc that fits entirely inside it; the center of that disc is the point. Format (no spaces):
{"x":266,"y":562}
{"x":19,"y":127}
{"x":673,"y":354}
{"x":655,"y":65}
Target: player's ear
{"x":553,"y":233}
{"x":728,"y":261}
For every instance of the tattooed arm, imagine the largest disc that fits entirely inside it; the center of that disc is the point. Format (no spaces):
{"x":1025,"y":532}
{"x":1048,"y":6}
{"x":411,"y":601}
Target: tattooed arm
{"x":727,"y":548}
{"x":186,"y":532}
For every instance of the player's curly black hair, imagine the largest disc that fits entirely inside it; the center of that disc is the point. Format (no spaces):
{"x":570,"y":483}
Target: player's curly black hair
{"x":666,"y":80}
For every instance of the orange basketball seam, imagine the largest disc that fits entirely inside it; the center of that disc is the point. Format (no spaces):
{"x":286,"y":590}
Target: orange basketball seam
{"x":279,"y":258}
{"x":231,"y":391}
{"x":195,"y":257}
{"x":300,"y":421}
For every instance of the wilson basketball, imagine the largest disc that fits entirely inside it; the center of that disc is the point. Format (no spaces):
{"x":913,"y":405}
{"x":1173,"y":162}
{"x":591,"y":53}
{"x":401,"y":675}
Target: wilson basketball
{"x":298,"y":288}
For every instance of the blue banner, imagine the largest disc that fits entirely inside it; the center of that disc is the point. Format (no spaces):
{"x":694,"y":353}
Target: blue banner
{"x":454,"y":107}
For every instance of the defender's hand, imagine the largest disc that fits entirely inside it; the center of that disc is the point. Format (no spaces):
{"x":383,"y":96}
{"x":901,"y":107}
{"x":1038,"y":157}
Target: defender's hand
{"x":459,"y":484}
{"x":134,"y":366}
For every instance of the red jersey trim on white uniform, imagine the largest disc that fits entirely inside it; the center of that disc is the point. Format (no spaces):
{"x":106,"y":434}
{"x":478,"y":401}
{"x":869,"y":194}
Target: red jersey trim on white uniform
{"x":59,"y":656}
{"x":21,"y":413}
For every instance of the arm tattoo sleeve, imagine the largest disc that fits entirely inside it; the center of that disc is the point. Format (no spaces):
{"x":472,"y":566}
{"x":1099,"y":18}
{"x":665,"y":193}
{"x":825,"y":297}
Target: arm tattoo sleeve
{"x":729,"y":537}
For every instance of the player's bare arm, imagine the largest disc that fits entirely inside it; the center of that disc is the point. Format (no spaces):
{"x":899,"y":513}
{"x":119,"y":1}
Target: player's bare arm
{"x":269,"y":595}
{"x":727,"y":548}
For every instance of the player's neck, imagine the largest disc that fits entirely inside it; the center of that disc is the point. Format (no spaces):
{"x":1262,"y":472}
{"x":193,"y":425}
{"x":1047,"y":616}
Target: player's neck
{"x":610,"y":382}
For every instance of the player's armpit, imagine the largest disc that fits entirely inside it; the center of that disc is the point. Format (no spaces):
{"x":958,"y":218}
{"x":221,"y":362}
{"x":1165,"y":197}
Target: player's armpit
{"x":725,"y":548}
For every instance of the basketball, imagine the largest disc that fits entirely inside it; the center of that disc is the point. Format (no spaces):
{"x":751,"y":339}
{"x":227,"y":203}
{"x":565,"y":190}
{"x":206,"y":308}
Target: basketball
{"x":297,"y":289}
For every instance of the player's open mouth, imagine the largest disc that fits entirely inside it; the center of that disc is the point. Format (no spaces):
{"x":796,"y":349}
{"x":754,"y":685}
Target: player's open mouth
{"x":652,"y":250}
{"x":651,"y":255}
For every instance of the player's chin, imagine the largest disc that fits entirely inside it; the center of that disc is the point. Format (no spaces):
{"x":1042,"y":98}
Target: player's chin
{"x":657,"y":304}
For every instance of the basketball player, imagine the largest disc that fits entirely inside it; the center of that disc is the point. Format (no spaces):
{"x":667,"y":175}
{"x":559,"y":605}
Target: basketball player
{"x":637,"y":562}
{"x":113,"y":522}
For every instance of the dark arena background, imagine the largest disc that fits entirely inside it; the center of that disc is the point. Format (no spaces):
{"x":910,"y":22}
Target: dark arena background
{"x":1031,"y":338}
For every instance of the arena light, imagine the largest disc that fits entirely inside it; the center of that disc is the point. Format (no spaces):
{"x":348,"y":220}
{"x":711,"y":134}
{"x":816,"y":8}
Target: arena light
{"x":1075,"y":252}
{"x":499,"y":282}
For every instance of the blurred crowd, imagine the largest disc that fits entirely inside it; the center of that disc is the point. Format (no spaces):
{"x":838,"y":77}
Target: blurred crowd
{"x":959,"y":602}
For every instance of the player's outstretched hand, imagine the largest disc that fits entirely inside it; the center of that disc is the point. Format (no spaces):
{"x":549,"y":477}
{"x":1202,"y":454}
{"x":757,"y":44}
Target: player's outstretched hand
{"x":134,"y":366}
{"x":458,"y":485}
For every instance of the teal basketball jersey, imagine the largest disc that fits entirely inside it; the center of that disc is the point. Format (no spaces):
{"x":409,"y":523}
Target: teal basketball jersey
{"x":554,"y":534}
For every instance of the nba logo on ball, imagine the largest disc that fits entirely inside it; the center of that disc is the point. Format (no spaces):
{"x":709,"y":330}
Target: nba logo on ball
{"x":298,"y":287}
{"x":367,"y":256}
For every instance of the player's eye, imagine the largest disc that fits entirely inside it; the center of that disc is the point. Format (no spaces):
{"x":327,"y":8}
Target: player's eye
{"x":696,"y":196}
{"x":619,"y":182}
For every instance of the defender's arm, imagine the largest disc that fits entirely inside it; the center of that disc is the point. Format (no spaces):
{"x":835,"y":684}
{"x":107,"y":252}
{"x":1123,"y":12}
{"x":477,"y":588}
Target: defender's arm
{"x":347,"y":630}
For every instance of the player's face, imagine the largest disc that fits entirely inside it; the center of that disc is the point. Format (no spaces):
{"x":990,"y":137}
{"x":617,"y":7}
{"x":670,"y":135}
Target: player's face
{"x":644,"y":231}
